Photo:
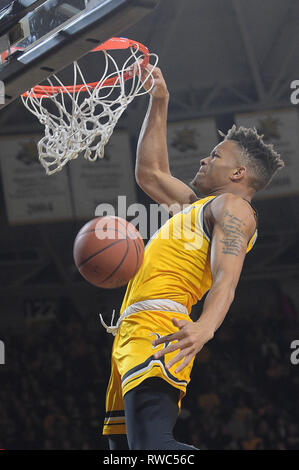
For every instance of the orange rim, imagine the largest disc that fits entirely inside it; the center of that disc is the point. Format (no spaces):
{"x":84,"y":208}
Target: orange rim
{"x":112,"y":43}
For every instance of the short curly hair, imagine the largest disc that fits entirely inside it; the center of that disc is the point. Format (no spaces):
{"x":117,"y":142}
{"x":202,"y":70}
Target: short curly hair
{"x":261,"y":160}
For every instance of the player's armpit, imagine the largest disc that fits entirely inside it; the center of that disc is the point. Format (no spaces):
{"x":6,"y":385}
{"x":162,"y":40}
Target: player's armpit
{"x":166,"y":189}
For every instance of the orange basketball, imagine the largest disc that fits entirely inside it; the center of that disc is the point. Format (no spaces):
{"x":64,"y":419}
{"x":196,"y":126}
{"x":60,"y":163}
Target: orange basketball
{"x":108,"y":251}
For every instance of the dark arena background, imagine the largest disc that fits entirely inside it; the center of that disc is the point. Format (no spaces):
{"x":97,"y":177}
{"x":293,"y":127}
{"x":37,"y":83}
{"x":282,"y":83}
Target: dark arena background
{"x":224,"y":62}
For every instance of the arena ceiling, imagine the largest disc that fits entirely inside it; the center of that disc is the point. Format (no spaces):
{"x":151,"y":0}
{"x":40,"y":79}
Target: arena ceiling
{"x":217,"y":57}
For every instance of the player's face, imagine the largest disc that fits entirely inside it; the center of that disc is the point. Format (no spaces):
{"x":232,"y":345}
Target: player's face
{"x":216,"y":170}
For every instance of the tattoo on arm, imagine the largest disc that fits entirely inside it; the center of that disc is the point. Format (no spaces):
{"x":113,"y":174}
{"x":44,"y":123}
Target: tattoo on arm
{"x":234,"y":235}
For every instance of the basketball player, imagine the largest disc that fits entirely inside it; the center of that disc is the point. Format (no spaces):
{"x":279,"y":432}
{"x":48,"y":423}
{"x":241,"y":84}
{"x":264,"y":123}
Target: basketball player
{"x":156,"y":341}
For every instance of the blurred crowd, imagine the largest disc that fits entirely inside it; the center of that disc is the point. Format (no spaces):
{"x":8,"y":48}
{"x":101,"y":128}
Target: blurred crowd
{"x":244,"y":388}
{"x":53,"y":386}
{"x":243,"y":393}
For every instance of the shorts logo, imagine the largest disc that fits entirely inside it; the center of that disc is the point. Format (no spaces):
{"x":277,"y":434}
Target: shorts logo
{"x":141,"y":369}
{"x":158,"y":345}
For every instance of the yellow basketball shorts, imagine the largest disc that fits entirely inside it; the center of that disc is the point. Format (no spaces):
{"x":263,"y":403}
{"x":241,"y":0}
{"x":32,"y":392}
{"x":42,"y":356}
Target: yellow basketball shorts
{"x":132,"y":362}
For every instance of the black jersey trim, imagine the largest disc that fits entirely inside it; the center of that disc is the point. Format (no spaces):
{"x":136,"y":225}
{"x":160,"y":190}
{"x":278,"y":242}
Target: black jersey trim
{"x":115,"y":414}
{"x":252,"y":206}
{"x":206,"y":230}
{"x":144,"y":365}
{"x":202,"y":219}
{"x":113,"y":424}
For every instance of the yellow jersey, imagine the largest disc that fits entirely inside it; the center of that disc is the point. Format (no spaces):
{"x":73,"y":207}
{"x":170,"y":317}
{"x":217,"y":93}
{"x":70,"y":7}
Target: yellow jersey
{"x":176,"y":262}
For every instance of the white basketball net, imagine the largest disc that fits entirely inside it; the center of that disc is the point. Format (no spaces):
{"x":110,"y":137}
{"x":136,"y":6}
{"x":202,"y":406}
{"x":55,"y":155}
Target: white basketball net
{"x":82,"y":121}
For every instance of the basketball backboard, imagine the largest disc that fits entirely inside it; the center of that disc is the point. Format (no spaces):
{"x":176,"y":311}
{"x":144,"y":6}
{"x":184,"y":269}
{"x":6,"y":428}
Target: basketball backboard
{"x":37,"y":42}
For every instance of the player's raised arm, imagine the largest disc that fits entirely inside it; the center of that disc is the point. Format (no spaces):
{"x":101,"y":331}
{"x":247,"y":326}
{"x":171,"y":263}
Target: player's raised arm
{"x":152,"y":166}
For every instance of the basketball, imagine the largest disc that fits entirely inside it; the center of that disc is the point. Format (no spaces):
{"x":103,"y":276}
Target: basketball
{"x":108,"y":251}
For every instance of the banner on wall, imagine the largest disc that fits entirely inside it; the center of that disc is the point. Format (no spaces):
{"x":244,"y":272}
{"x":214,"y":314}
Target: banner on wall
{"x":280,"y":128}
{"x":102,"y":181}
{"x":189,"y":142}
{"x":30,"y":195}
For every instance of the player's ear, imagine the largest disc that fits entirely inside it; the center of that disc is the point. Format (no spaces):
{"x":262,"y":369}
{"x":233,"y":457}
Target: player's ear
{"x":238,"y":173}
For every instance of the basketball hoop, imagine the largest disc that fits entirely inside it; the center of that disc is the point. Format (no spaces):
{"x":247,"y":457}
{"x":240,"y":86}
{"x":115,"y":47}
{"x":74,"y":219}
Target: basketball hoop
{"x":80,"y":118}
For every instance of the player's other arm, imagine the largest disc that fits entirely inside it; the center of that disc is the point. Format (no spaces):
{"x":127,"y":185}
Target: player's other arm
{"x":152,"y":165}
{"x":234,"y":225}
